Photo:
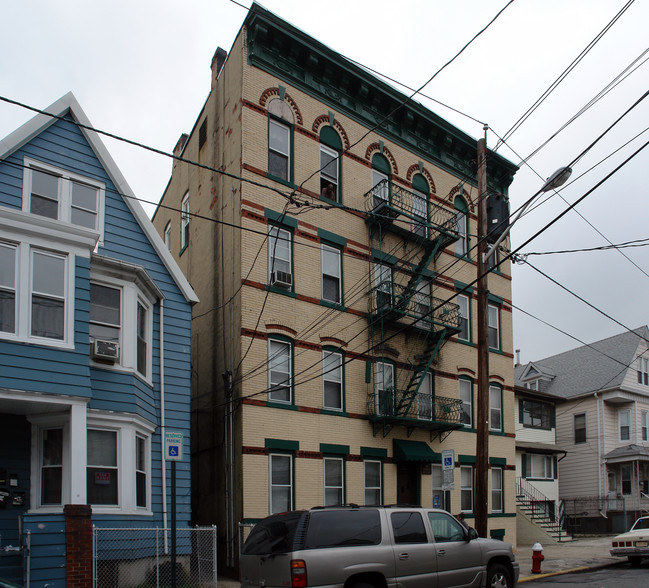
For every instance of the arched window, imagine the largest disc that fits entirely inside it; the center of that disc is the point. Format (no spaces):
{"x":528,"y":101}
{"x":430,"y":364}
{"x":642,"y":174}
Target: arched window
{"x":461,"y":226}
{"x":380,"y":180}
{"x":330,"y":163}
{"x":420,"y":193}
{"x":280,"y":139}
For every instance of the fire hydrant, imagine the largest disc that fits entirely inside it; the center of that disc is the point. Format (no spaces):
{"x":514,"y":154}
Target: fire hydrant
{"x":537,"y":558}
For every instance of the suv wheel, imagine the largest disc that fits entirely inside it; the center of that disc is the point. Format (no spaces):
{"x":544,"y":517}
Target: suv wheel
{"x":498,"y":576}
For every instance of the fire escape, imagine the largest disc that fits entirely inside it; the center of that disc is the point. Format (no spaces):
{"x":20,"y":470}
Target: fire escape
{"x":401,"y":305}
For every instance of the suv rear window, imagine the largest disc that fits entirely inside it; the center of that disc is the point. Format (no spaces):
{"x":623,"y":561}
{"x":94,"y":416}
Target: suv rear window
{"x":272,"y":535}
{"x":341,"y":528}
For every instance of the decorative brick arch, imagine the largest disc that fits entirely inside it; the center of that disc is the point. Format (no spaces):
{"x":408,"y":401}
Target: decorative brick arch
{"x":414,"y":169}
{"x":280,"y":329}
{"x":269,"y":93}
{"x":375,"y":147}
{"x":456,"y":191}
{"x":323,"y":119}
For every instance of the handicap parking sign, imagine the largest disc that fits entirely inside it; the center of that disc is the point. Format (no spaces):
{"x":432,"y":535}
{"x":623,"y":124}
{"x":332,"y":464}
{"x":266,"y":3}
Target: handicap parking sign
{"x":173,"y":446}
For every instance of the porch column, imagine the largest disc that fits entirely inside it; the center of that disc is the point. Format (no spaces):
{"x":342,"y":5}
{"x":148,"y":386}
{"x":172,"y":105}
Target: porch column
{"x":78,"y":545}
{"x":78,"y":453}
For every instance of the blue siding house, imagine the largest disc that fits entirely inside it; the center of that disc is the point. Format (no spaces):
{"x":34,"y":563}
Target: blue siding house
{"x":95,"y":320}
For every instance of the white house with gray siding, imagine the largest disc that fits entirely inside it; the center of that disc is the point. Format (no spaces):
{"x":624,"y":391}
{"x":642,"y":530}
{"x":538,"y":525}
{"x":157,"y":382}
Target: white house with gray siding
{"x":95,"y":321}
{"x":602,"y":422}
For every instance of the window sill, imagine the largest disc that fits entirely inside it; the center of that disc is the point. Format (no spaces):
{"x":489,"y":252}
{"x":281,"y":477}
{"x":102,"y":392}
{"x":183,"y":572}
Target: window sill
{"x":466,"y":342}
{"x":183,"y":250}
{"x":334,"y":305}
{"x":277,"y":290}
{"x":284,"y":405}
{"x":496,"y":351}
{"x":334,"y":412}
{"x":281,"y":181}
{"x":122,"y":370}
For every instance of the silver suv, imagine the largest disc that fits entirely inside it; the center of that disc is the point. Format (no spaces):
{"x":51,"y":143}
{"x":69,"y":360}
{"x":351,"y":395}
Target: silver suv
{"x":372,"y":547}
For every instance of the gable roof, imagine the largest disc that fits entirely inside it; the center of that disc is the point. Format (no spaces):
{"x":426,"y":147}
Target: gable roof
{"x":589,"y":368}
{"x":68,"y":104}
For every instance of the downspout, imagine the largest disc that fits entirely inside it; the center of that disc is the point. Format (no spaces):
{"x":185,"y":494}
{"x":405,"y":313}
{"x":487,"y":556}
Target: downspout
{"x":599,"y":450}
{"x":162,"y":428}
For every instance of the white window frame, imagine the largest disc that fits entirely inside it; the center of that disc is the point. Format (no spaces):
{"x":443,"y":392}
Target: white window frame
{"x":425,"y":405}
{"x":377,"y":490}
{"x":540,"y":466}
{"x":339,"y":462}
{"x":644,"y":425}
{"x":167,"y":235}
{"x":326,"y":177}
{"x":465,"y":389}
{"x":381,"y":194}
{"x":575,"y":429}
{"x":382,"y":285}
{"x":133,"y":292}
{"x":328,"y":251}
{"x":643,"y":371}
{"x":128,"y":427}
{"x":381,"y":389}
{"x":624,"y":424}
{"x":420,"y":212}
{"x":272,"y":485}
{"x":465,"y":315}
{"x":626,"y":478}
{"x":466,"y":489}
{"x":462,"y":228}
{"x":23,"y":289}
{"x":65,"y":182}
{"x":184,"y":221}
{"x":423,"y":304}
{"x":143,"y":471}
{"x":273,"y":355}
{"x":493,"y":319}
{"x":277,"y":149}
{"x":497,"y":489}
{"x":495,"y":409}
{"x":280,"y":247}
{"x":331,"y":375}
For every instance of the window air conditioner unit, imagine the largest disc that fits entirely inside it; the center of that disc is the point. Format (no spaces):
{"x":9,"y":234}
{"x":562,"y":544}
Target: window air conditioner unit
{"x":107,"y":351}
{"x":281,"y":279}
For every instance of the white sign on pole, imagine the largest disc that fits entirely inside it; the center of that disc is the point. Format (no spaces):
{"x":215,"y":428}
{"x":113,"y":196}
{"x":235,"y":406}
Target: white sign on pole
{"x":173,"y":446}
{"x":448,"y":459}
{"x":448,"y":482}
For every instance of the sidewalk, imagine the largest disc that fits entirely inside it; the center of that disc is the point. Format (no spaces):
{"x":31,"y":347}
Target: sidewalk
{"x":562,"y":558}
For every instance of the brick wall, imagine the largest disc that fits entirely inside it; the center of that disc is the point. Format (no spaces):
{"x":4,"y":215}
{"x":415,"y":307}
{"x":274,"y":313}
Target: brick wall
{"x":78,"y":545}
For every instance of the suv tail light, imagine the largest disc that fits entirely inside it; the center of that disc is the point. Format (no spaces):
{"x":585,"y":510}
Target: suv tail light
{"x":298,"y":573}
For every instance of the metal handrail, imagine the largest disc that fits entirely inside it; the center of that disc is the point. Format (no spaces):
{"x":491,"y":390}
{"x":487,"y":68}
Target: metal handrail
{"x":426,"y":407}
{"x":538,"y":502}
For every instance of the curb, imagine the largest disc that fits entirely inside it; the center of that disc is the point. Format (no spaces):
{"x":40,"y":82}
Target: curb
{"x":576,"y":570}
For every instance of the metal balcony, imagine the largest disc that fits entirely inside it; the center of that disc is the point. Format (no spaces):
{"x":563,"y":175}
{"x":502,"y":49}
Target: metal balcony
{"x":404,"y":212}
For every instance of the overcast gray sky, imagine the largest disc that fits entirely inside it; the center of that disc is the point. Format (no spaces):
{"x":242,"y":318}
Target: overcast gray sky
{"x":141,"y":69}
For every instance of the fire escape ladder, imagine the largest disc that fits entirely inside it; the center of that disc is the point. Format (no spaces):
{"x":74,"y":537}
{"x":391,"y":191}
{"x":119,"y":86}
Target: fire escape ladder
{"x":430,"y":249}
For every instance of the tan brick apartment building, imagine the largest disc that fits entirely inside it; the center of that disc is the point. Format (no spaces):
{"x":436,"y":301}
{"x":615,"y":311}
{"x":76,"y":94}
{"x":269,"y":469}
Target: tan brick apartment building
{"x":327,"y":237}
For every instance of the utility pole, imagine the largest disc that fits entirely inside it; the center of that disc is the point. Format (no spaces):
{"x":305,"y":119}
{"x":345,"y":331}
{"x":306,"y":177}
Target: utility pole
{"x":482,"y":437}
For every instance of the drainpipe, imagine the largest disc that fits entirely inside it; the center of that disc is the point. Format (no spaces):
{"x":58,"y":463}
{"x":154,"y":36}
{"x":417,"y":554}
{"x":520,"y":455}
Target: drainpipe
{"x":599,"y":450}
{"x":162,"y":428}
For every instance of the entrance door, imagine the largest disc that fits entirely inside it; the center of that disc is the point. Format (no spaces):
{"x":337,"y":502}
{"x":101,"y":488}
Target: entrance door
{"x":408,"y":483}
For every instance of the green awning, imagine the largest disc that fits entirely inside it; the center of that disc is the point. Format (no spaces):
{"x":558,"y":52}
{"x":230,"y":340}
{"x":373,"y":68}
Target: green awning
{"x":413,"y":451}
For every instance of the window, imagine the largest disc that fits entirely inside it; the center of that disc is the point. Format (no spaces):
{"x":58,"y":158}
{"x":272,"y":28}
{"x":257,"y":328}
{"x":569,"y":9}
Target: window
{"x":580,"y":428}
{"x":463,"y":303}
{"x":167,"y":236}
{"x":462,"y":227}
{"x":420,"y":212}
{"x":466,"y":396}
{"x":381,"y":171}
{"x":121,"y":313}
{"x":382,"y":287}
{"x":643,"y":371}
{"x":644,"y":424}
{"x":184,"y":222}
{"x":279,"y":371}
{"x":425,"y":398}
{"x":279,"y":149}
{"x":408,"y":527}
{"x":331,"y":274}
{"x":202,"y":134}
{"x":441,"y":497}
{"x":7,"y":288}
{"x":538,"y":415}
{"x":626,"y":480}
{"x":102,"y":478}
{"x":281,"y":483}
{"x":329,"y":165}
{"x":332,"y":380}
{"x":334,"y":480}
{"x":466,"y":488}
{"x":57,"y":194}
{"x":495,"y":408}
{"x":492,"y":260}
{"x":423,"y":305}
{"x":140,"y":472}
{"x":51,"y":466}
{"x":142,"y":336}
{"x":624,"y":424}
{"x":279,"y":257}
{"x":493,"y":320}
{"x":48,"y":295}
{"x":538,"y":466}
{"x":384,"y":388}
{"x":372,"y":476}
{"x":445,"y":528}
{"x":497,"y":490}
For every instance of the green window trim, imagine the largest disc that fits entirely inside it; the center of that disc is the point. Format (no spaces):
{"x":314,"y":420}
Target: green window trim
{"x":333,"y":449}
{"x":381,"y":163}
{"x":332,"y":238}
{"x":420,"y":184}
{"x":281,"y":445}
{"x":291,"y":147}
{"x":280,"y":219}
{"x":374,"y":452}
{"x":330,"y":137}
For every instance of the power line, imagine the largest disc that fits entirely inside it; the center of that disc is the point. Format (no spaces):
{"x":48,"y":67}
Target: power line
{"x":625,"y":245}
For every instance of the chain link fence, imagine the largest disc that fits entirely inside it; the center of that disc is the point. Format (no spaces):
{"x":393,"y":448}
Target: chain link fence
{"x":141,"y":558}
